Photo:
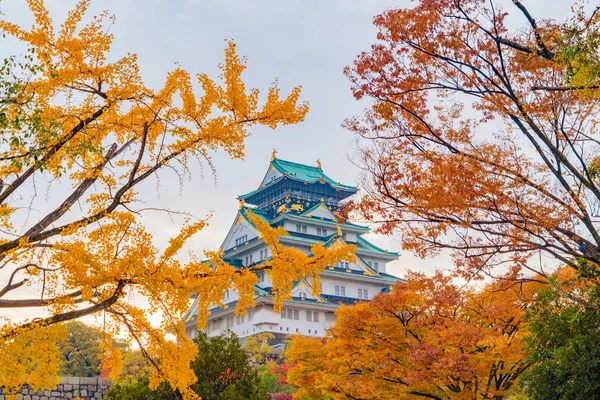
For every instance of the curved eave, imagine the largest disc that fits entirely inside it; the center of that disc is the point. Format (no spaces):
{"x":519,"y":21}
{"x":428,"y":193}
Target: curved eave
{"x":369,"y":247}
{"x":317,"y":221}
{"x":386,"y":280}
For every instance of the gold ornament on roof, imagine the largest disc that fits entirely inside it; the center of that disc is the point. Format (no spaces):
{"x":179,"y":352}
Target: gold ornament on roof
{"x":242,"y":204}
{"x":339,"y":231}
{"x":273,"y":154}
{"x":319,"y":164}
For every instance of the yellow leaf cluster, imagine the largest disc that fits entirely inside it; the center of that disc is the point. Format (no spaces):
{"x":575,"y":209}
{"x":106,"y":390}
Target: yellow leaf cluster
{"x":93,"y":125}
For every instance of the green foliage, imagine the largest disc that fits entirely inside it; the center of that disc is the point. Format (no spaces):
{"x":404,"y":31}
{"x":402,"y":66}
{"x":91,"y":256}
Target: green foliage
{"x":223,"y":370}
{"x":270,"y":379}
{"x":81,"y":351}
{"x":139,"y":390}
{"x":564,"y":349}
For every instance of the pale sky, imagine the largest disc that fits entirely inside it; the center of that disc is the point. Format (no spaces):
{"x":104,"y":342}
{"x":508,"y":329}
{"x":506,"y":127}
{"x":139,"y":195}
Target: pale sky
{"x":301,"y":42}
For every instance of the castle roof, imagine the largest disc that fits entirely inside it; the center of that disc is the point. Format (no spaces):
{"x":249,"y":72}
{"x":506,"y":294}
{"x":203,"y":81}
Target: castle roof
{"x":300,"y":173}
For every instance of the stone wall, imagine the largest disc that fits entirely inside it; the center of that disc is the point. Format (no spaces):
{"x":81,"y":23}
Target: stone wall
{"x":69,"y":388}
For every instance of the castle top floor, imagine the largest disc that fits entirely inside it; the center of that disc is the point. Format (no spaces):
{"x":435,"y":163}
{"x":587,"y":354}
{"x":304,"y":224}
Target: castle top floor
{"x":287,"y":182}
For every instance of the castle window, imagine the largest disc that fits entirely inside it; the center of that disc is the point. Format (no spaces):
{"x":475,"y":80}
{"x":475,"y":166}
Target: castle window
{"x":297,"y":314}
{"x":290,"y":313}
{"x":365,"y":294}
{"x":315,"y":317}
{"x":263,"y":254}
{"x":283,"y":311}
{"x":376,"y":266}
{"x":321,"y":232}
{"x":309,"y":315}
{"x":250,"y":315}
{"x":340,"y":290}
{"x":261,"y":276}
{"x":360,"y":293}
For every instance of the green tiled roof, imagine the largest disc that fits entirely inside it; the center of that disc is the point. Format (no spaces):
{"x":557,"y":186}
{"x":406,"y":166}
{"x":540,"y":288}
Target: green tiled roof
{"x":261,"y":213}
{"x":364,"y":244}
{"x":303,"y":173}
{"x":307,"y":173}
{"x":320,"y":221}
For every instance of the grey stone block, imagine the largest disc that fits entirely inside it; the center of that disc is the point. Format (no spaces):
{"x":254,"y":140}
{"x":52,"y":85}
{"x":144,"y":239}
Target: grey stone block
{"x":27,"y":397}
{"x":84,"y":393}
{"x":55,"y":393}
{"x":67,"y":387}
{"x":71,"y":380}
{"x":104,"y":381}
{"x":88,"y":381}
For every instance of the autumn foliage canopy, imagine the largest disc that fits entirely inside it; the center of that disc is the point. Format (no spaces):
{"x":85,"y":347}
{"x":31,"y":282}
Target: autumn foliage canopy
{"x":482,"y":137}
{"x":427,"y":338}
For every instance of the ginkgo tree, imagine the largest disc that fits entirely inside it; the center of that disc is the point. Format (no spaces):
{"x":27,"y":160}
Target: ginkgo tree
{"x":482,"y":138}
{"x":73,"y":113}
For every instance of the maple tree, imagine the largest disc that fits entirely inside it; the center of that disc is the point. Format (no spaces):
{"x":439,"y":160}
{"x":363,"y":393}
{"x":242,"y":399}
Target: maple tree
{"x":427,"y":338}
{"x":73,"y":114}
{"x":482,"y":138}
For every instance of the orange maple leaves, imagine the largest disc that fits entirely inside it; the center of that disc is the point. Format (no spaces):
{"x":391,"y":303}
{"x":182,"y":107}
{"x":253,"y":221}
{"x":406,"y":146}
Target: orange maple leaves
{"x":427,"y":338}
{"x":467,"y":153}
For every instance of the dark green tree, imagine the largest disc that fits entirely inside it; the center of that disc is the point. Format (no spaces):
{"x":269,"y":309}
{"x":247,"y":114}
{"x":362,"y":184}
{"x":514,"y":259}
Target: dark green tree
{"x":563,"y":348}
{"x":81,"y":353}
{"x":81,"y":350}
{"x":223,"y":370}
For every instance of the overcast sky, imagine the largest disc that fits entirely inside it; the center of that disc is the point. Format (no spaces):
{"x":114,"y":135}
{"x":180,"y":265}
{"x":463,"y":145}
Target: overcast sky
{"x":301,"y":42}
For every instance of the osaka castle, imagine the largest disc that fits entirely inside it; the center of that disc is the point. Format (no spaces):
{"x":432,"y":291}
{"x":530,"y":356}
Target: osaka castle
{"x":302,"y":199}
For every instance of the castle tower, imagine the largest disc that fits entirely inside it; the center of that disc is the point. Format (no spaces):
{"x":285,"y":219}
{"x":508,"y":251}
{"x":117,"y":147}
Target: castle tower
{"x":302,"y":199}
